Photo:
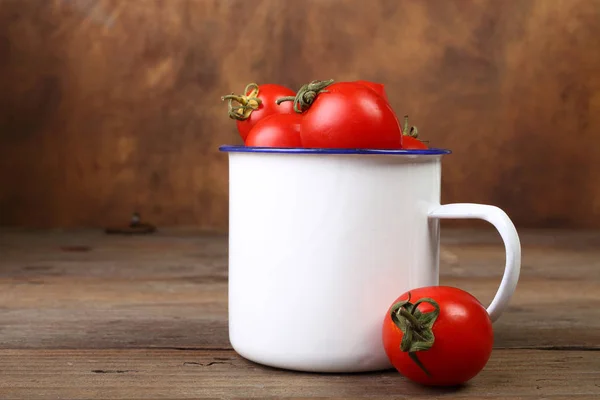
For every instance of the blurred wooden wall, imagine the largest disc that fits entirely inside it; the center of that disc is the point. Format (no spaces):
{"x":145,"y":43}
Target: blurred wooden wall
{"x":107,"y":107}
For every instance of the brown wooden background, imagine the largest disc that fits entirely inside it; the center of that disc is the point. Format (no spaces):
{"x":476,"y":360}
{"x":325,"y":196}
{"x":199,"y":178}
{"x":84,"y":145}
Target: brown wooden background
{"x":107,"y":107}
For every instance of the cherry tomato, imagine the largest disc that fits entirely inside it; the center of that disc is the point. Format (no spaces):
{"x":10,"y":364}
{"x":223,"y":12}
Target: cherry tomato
{"x":409,"y":137}
{"x":279,"y":130}
{"x":257,"y":102}
{"x":445,"y":342}
{"x":377,"y":87}
{"x":345,"y":115}
{"x":410,"y":142}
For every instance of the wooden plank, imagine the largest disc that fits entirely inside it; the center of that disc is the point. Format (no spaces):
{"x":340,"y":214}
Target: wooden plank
{"x":86,"y":315}
{"x":76,"y":314}
{"x":185,"y":252}
{"x":169,"y":290}
{"x":90,"y":374}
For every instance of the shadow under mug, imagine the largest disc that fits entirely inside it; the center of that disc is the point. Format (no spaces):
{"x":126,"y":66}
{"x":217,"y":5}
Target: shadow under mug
{"x":322,"y":241}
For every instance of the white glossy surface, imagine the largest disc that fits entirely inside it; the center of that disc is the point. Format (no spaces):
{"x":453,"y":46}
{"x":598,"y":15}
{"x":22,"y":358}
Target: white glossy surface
{"x":320,"y":246}
{"x":507,"y":231}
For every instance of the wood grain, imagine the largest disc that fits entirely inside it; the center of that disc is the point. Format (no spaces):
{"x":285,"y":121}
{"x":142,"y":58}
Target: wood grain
{"x":169,"y":290}
{"x":112,"y":106}
{"x":173,"y":374}
{"x":89,"y":315}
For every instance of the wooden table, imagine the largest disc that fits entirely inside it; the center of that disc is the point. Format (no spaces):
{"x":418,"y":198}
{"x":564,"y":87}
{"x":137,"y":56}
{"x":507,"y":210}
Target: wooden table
{"x":89,"y":315}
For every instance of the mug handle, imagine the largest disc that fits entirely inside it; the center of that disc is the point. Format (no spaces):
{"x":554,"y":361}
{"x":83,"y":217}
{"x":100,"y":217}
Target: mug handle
{"x":507,"y":231}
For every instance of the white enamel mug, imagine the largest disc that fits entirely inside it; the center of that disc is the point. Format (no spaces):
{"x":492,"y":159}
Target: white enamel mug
{"x":321,"y":242}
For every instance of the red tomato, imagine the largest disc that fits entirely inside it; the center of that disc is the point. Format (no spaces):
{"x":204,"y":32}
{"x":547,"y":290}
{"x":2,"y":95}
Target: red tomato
{"x":280,"y":130}
{"x":258,"y":102}
{"x":377,"y":87}
{"x":452,"y":347}
{"x":345,"y":115}
{"x":409,"y":137}
{"x":409,"y":142}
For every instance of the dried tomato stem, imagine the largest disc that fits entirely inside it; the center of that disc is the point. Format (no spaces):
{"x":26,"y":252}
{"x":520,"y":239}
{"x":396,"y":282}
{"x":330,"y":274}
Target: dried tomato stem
{"x":235,"y":97}
{"x":248,"y":102}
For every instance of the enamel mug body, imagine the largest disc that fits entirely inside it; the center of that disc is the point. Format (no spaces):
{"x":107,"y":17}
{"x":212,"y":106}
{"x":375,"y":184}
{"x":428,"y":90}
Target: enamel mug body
{"x":322,"y":242}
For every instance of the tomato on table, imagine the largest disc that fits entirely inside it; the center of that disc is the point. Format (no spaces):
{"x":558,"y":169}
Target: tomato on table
{"x":345,"y":115}
{"x":257,"y":103}
{"x":438,"y":335}
{"x":280,"y":130}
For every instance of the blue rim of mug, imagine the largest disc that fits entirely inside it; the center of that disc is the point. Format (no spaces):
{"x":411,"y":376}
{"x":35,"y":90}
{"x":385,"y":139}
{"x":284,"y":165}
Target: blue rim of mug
{"x":300,"y":150}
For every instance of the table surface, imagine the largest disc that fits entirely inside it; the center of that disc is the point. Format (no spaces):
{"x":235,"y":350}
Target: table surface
{"x":89,"y":315}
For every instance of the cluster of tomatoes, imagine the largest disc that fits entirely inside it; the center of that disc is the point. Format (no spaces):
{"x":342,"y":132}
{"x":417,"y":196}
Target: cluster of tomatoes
{"x":433,"y":335}
{"x":322,"y":114}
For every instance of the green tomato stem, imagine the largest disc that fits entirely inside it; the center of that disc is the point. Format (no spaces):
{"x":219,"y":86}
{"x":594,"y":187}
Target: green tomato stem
{"x":306,"y":95}
{"x":413,"y":131}
{"x":416,"y":327}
